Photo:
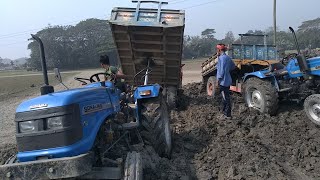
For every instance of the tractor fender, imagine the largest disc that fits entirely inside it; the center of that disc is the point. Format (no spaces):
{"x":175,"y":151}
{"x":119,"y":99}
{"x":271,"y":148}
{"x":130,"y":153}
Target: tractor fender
{"x":262,"y":75}
{"x":148,"y":91}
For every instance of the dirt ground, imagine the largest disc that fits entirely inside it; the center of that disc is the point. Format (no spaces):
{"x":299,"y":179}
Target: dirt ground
{"x":251,"y":146}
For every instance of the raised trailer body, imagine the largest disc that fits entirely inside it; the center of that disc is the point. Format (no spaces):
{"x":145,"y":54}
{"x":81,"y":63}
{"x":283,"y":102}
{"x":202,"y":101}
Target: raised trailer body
{"x":141,"y":34}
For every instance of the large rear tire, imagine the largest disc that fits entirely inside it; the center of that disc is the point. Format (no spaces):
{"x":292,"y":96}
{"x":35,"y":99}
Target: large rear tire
{"x":261,"y":95}
{"x":171,"y":97}
{"x":133,"y":167}
{"x":156,"y":125}
{"x":312,"y":108}
{"x":212,"y":87}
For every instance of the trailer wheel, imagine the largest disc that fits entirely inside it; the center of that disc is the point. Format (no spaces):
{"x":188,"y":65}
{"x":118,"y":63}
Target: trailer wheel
{"x":156,"y":125}
{"x":312,"y":108}
{"x":261,"y":95}
{"x":212,"y":86}
{"x":171,"y":97}
{"x":133,"y":167}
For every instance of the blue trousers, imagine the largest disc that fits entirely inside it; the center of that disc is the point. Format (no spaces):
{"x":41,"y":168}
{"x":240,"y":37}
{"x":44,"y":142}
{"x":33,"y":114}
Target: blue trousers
{"x":225,"y":93}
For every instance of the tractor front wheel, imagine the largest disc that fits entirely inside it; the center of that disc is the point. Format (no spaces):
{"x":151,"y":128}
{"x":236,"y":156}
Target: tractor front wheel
{"x":156,"y":125}
{"x":312,"y":108}
{"x":261,"y":95}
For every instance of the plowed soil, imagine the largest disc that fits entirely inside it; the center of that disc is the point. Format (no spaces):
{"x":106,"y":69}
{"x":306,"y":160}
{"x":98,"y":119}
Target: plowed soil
{"x":250,"y":146}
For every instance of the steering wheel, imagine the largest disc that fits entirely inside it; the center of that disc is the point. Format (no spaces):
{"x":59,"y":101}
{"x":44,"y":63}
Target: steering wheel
{"x":82,"y":80}
{"x":98,"y":78}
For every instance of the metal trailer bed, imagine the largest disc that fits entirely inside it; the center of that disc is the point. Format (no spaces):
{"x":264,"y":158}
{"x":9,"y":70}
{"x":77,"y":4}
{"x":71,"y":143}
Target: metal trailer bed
{"x":157,"y":34}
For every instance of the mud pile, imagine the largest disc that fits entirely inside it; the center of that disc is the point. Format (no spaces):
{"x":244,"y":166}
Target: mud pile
{"x":251,"y":146}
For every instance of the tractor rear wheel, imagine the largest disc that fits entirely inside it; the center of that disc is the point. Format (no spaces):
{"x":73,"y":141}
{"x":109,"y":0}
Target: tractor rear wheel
{"x":171,"y":96}
{"x":312,"y":108}
{"x":212,"y":86}
{"x":133,"y":167}
{"x":156,"y":125}
{"x":261,"y":95}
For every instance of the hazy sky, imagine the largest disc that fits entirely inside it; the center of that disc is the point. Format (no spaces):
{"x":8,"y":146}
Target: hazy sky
{"x":20,"y":18}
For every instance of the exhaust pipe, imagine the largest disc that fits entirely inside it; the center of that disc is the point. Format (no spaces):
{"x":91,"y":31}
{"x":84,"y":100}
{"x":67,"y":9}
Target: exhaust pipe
{"x":46,"y":89}
{"x":302,"y":62}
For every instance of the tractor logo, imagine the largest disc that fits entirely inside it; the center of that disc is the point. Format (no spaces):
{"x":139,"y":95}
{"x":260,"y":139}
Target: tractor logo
{"x":37,"y":106}
{"x":95,"y":107}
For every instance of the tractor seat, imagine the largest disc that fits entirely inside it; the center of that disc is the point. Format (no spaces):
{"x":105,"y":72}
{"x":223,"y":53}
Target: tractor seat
{"x":280,"y":72}
{"x":278,"y":69}
{"x":275,"y":67}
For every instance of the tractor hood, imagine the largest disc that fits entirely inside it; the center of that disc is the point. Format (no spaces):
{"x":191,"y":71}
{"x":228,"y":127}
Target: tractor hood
{"x":63,"y":98}
{"x":294,"y":69}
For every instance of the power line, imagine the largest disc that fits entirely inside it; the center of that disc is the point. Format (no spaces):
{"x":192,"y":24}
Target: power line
{"x":178,"y":1}
{"x":67,"y":23}
{"x":17,"y":33}
{"x":200,"y":4}
{"x":1,"y":45}
{"x":33,"y":30}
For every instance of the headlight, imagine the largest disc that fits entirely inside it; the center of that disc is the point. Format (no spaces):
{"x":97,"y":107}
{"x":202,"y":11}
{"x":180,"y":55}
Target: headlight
{"x":145,"y":93}
{"x":54,"y":122}
{"x":27,"y":126}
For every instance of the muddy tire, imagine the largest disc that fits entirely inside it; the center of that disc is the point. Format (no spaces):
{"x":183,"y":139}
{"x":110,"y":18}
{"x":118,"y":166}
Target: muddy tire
{"x":312,"y":108}
{"x":261,"y":95}
{"x":171,"y":97}
{"x":133,"y":167}
{"x":212,"y":89}
{"x":156,"y":125}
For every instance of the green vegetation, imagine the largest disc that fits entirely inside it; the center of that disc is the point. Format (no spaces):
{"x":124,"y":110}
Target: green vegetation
{"x":201,"y":46}
{"x":73,"y":47}
{"x":79,"y":46}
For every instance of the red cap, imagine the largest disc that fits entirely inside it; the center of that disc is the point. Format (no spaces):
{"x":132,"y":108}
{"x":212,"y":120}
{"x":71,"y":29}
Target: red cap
{"x":221,"y":47}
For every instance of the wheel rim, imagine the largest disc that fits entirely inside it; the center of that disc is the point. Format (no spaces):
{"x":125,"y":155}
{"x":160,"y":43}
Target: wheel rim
{"x":210,"y":89}
{"x":255,"y":99}
{"x":314,"y":111}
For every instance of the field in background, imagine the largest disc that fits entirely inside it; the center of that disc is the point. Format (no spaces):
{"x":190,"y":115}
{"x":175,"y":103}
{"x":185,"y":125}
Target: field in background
{"x":16,"y":72}
{"x":23,"y":81}
{"x":192,"y":70}
{"x":13,"y":82}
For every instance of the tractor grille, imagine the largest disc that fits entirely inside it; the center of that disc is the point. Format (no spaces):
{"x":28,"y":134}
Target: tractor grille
{"x":65,"y":129}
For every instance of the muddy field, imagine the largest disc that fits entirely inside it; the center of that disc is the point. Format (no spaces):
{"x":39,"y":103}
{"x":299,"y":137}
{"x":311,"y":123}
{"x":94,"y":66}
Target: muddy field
{"x":251,"y":146}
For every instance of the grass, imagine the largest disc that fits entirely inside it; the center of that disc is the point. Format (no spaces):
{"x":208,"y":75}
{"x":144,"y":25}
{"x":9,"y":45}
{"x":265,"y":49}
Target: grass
{"x":17,"y":84}
{"x":16,"y":72}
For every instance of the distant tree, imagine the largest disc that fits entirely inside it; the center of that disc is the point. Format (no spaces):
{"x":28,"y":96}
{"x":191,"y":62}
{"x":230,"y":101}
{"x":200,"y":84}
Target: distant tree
{"x":309,"y":25}
{"x":71,"y":47}
{"x":208,"y":33}
{"x":229,"y":38}
{"x":309,"y":34}
{"x":11,"y":63}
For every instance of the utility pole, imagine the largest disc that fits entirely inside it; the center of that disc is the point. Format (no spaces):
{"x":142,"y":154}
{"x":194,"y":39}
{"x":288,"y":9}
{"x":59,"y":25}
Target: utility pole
{"x":275,"y":21}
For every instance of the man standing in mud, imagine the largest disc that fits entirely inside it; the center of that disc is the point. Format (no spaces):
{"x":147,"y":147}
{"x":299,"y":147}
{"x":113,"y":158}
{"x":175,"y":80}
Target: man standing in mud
{"x":224,"y":66}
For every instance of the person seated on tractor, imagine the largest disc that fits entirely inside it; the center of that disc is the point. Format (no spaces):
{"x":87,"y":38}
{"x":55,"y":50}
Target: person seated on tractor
{"x":113,"y":73}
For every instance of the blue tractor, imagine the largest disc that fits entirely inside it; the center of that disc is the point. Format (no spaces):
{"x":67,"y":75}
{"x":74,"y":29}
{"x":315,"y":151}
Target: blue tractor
{"x":81,"y":133}
{"x":298,"y":80}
